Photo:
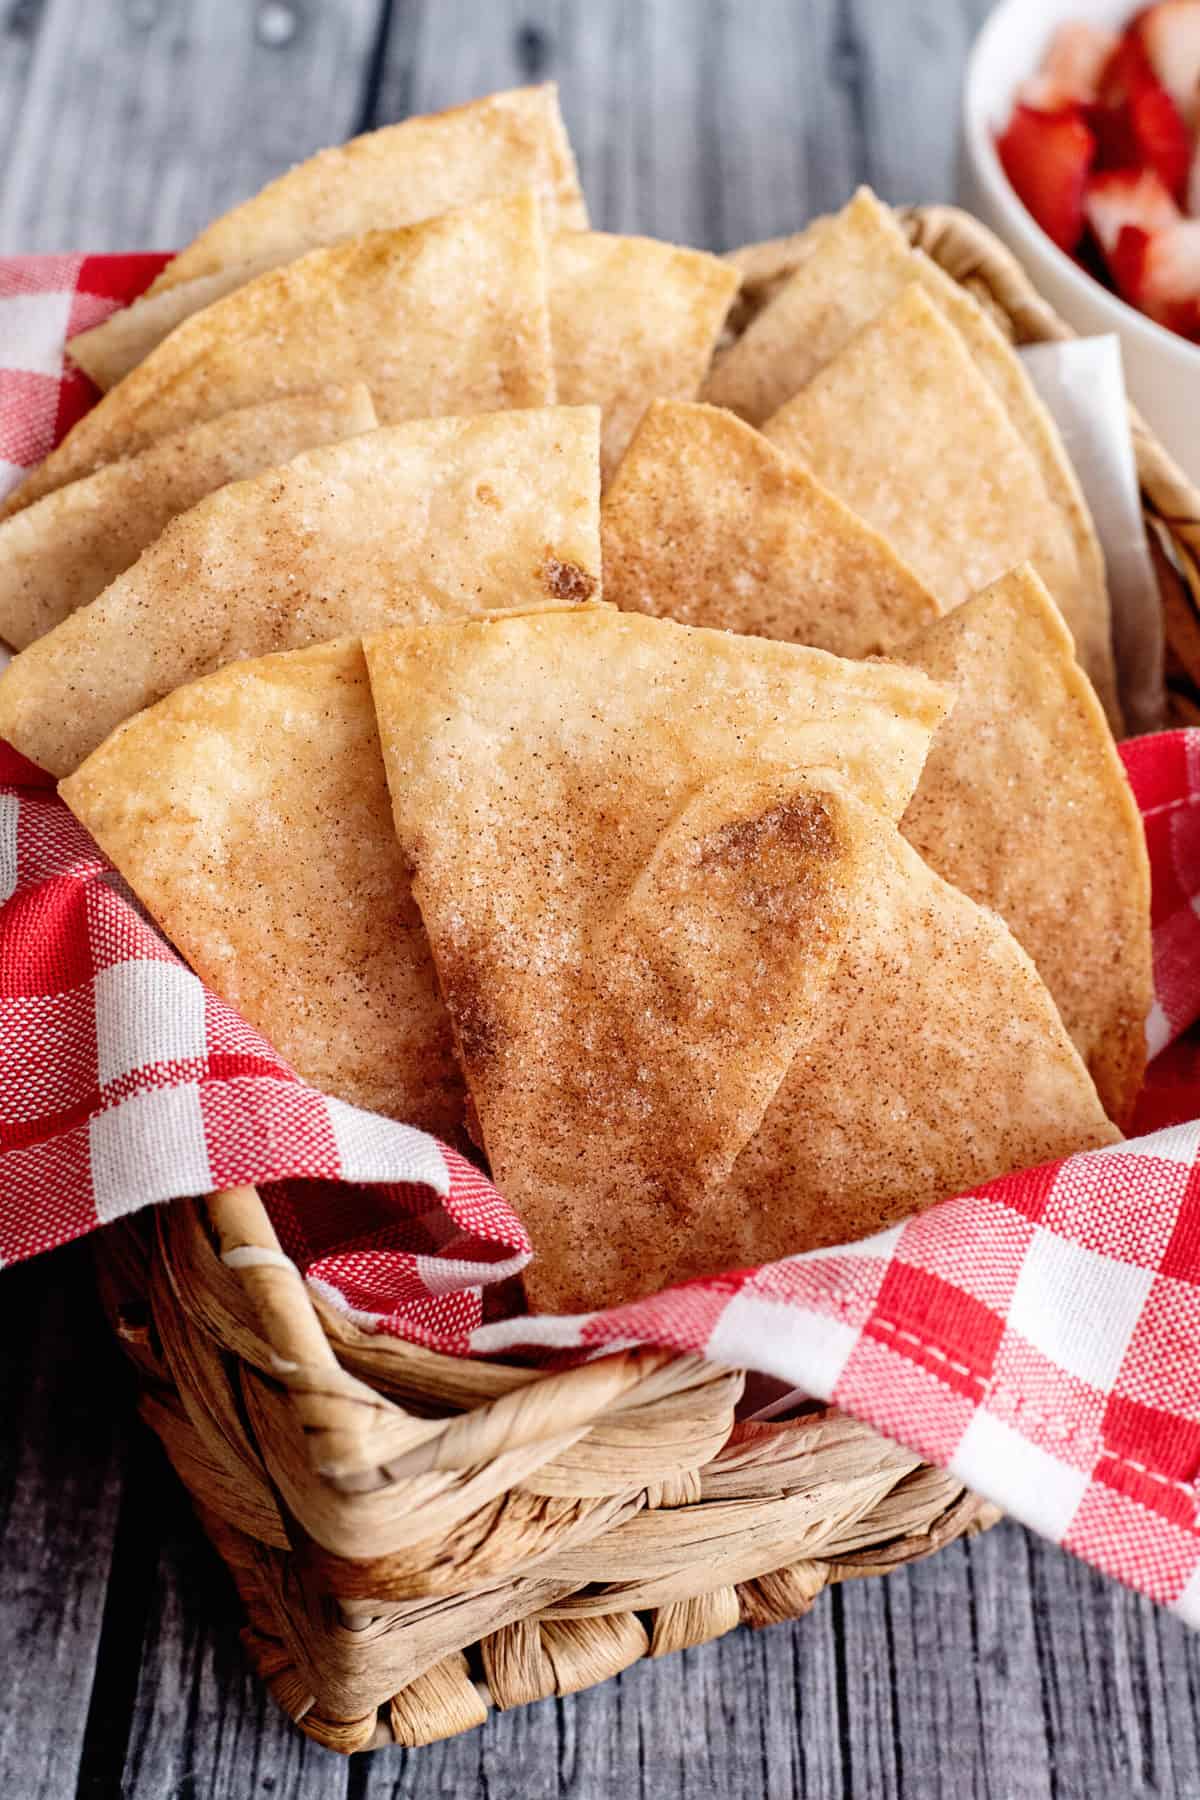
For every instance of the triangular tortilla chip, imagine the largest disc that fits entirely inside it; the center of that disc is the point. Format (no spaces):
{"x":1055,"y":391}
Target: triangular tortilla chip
{"x":906,"y":431}
{"x":632,"y":319}
{"x":407,"y":524}
{"x":628,"y":852}
{"x":938,"y":1061}
{"x":497,"y":146}
{"x":500,"y":145}
{"x":1024,"y":805}
{"x":107,"y":352}
{"x":856,"y":264}
{"x":65,"y":549}
{"x":249,"y":813}
{"x":445,"y":317}
{"x":707,"y":523}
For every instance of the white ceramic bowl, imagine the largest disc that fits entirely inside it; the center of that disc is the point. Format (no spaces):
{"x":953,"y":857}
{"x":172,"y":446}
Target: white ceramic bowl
{"x":1161,"y":369}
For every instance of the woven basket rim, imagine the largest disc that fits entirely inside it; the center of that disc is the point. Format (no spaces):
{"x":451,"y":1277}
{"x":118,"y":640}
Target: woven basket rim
{"x":349,"y":1425}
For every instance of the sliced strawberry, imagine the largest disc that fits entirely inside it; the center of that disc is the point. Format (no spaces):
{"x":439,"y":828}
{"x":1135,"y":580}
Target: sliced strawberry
{"x":1043,"y":93}
{"x":1160,"y":273}
{"x":1170,"y":33}
{"x":1070,"y":71}
{"x":1126,"y":75}
{"x":1127,"y":260}
{"x":1136,"y":122}
{"x":1187,"y":321}
{"x":1162,"y":138}
{"x":1126,"y":72}
{"x":1119,"y":197}
{"x":1077,"y":57}
{"x":1047,"y":157}
{"x":1173,"y":266}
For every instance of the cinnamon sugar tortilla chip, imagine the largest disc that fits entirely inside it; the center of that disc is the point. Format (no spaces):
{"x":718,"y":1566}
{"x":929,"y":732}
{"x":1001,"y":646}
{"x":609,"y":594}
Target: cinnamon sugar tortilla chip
{"x":937,"y":1061}
{"x":707,"y":523}
{"x":107,"y":352}
{"x":249,"y":813}
{"x":632,"y":319}
{"x":500,"y":145}
{"x":496,"y":146}
{"x":906,"y":431}
{"x":1024,"y":805}
{"x":63,"y":550}
{"x":629,"y":853}
{"x":448,"y":316}
{"x":857,"y":264}
{"x":410,"y":523}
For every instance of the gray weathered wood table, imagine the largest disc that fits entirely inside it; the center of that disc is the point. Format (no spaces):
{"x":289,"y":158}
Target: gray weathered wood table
{"x":1002,"y":1669}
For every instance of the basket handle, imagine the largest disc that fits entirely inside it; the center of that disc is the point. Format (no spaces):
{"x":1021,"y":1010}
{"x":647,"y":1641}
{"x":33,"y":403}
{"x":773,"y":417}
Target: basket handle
{"x":344,"y":1420}
{"x":248,"y":1245}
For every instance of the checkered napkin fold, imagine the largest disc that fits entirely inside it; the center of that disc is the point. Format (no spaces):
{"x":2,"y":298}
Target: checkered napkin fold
{"x":1041,"y":1336}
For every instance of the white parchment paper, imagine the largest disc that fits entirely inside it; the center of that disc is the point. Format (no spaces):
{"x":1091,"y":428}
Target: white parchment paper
{"x":1082,"y":383}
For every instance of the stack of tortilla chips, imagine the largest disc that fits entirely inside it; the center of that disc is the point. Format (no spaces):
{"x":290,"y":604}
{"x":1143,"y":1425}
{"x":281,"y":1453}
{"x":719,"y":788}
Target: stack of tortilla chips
{"x":658,"y":738}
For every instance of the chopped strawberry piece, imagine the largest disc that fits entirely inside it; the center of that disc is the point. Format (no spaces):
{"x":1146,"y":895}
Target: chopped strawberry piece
{"x":1127,"y":261}
{"x":1160,"y":272}
{"x":1174,"y":264}
{"x":1127,"y":71}
{"x":1193,"y":190}
{"x":1119,"y":197}
{"x":1077,"y":57}
{"x":1070,"y":73}
{"x":1187,"y":321}
{"x":1047,"y":157}
{"x":1161,"y":137}
{"x":1044,"y":94}
{"x":1126,"y":74}
{"x":1136,"y":122}
{"x":1170,"y":34}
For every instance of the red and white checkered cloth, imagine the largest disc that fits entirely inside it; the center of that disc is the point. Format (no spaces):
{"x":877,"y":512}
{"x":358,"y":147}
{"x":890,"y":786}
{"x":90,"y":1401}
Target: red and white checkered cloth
{"x":1041,"y":1336}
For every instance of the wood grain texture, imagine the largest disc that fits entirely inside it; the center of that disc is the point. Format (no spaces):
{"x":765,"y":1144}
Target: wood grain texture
{"x":131,"y":122}
{"x":999,"y":1670}
{"x":201,"y":1723}
{"x":141,"y":119}
{"x":20,"y":21}
{"x":67,"y":1428}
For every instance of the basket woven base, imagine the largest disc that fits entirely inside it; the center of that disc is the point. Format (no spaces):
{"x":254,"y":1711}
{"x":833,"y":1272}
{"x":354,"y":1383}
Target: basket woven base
{"x":415,"y":1537}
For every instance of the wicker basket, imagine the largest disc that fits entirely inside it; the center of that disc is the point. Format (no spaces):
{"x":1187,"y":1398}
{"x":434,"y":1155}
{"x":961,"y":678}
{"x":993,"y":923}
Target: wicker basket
{"x":414,"y":1536}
